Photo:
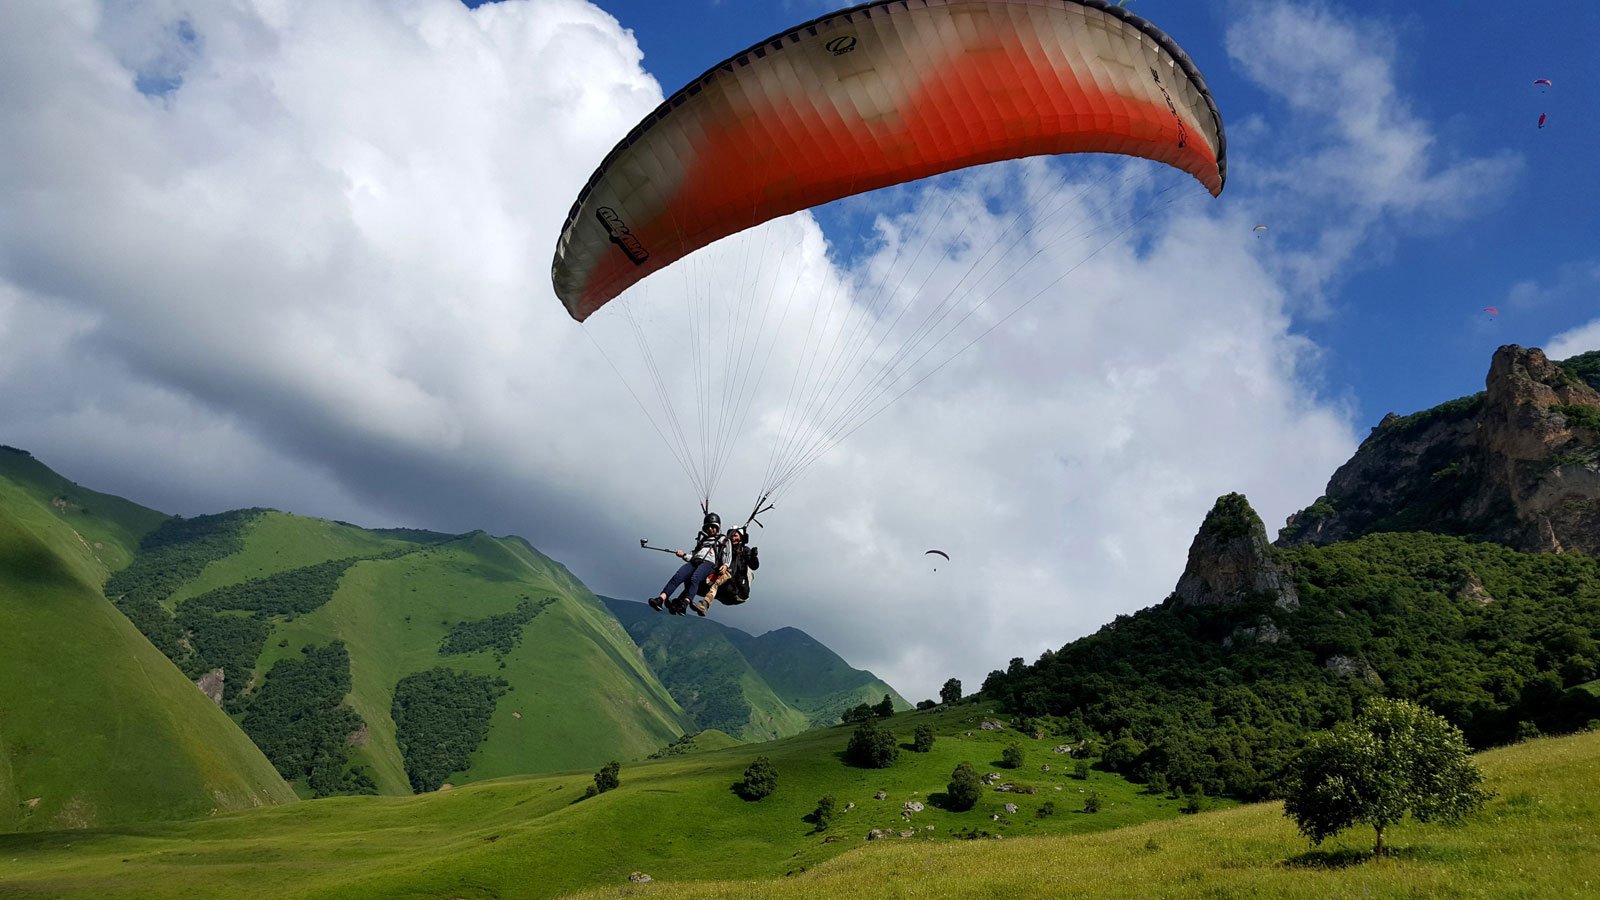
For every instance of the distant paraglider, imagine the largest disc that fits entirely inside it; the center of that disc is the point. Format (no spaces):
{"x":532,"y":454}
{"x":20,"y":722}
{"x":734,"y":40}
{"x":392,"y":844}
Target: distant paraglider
{"x":1491,"y":311}
{"x":1545,"y":82}
{"x":1542,"y":118}
{"x":1259,"y":229}
{"x":938,"y":553}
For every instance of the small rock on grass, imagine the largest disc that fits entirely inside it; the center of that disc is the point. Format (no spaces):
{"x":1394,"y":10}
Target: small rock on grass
{"x":640,"y":878}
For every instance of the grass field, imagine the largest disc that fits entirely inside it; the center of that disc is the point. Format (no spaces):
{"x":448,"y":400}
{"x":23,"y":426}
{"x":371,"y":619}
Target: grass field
{"x":677,"y":820}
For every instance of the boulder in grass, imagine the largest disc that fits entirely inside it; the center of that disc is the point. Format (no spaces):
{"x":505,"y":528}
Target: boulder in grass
{"x":1011,"y":809}
{"x":640,"y":878}
{"x":913,"y":806}
{"x":991,"y":725}
{"x":881,"y":795}
{"x":875,"y":834}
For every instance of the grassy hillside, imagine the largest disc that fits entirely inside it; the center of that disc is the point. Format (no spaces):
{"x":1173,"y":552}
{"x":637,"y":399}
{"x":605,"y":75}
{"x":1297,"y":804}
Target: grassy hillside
{"x":677,"y":820}
{"x":1534,"y":839}
{"x":96,"y":727}
{"x":700,"y":663}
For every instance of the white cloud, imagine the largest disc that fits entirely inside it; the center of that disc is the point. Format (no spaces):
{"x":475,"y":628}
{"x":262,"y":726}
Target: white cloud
{"x":1572,"y":342}
{"x":1348,"y":155}
{"x":310,"y":269}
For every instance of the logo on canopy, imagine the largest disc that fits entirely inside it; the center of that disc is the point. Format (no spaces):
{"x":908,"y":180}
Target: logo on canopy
{"x":841,"y":45}
{"x":621,"y":236}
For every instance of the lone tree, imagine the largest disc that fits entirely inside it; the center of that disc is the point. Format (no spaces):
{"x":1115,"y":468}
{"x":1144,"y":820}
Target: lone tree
{"x":922,"y":739}
{"x":965,"y":788}
{"x":872,"y":746}
{"x":605,"y":780}
{"x":885,"y":707}
{"x":951,"y":692}
{"x":760,"y":779}
{"x":1395,"y":758}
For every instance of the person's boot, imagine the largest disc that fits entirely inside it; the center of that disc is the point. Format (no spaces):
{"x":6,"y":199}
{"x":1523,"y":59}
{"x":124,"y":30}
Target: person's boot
{"x":701,"y":605}
{"x":657,"y":603}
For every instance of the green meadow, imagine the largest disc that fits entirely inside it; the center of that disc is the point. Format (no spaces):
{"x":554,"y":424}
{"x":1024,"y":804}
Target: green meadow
{"x":678,"y":820}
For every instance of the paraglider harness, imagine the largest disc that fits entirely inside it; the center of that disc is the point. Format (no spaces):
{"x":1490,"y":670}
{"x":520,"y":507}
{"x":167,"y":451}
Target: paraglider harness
{"x":739,"y":569}
{"x":730,"y":586}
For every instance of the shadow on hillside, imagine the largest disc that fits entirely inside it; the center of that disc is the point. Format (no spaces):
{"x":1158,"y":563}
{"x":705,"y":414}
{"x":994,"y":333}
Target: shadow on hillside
{"x":1344,"y":859}
{"x":1329,"y":859}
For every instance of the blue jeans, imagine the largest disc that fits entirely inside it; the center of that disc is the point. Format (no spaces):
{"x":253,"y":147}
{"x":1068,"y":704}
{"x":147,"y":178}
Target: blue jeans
{"x":693,"y":573}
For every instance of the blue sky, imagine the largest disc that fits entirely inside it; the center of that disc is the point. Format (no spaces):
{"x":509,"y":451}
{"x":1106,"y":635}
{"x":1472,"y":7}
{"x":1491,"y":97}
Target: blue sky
{"x":1403,"y":328}
{"x":294,"y":253}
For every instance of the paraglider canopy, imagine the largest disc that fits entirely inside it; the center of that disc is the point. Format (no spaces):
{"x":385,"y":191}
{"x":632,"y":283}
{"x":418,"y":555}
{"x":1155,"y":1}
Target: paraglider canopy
{"x":876,"y":95}
{"x":938,"y":553}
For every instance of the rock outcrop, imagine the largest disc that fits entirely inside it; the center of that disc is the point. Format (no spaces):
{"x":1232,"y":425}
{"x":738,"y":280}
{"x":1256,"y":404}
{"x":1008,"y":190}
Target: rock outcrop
{"x":1518,"y":464}
{"x":1231,"y":560}
{"x":210,"y":684}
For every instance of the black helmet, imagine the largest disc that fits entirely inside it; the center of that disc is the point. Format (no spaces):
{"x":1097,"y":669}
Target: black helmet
{"x":711,"y":519}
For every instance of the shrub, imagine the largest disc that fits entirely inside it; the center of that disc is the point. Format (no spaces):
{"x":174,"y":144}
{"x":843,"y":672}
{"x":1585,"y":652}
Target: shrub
{"x":1157,"y":784}
{"x":927,"y":704}
{"x":1048,"y":809}
{"x":607,"y":779}
{"x":760,"y":779}
{"x":823,"y":815}
{"x":1081,"y":770}
{"x":872,"y":746}
{"x":922,"y":740}
{"x":1194,"y":802}
{"x":1011,"y":757}
{"x":885,"y":708}
{"x":1091,"y":804}
{"x":965,"y":788}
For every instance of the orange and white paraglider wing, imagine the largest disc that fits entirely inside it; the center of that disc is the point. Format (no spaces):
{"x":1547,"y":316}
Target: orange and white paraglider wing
{"x":872,"y":96}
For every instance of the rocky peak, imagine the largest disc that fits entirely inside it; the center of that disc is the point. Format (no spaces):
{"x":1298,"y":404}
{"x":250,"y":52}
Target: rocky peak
{"x":1518,"y":464}
{"x":1231,"y":559}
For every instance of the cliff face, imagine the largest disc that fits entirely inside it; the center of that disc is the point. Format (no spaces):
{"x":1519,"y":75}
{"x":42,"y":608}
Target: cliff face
{"x":1230,"y":559}
{"x":1518,"y":464}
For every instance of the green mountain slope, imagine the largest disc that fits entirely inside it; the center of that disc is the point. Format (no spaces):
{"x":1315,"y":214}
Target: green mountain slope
{"x":96,"y":728}
{"x":109,"y":527}
{"x":1220,"y":695}
{"x":809,"y":676}
{"x":259,"y":589}
{"x":677,"y":820}
{"x":699,"y":662}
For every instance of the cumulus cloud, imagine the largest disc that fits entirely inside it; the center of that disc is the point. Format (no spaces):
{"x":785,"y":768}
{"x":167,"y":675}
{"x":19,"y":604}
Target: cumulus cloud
{"x":1582,"y":339}
{"x":297,"y":254}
